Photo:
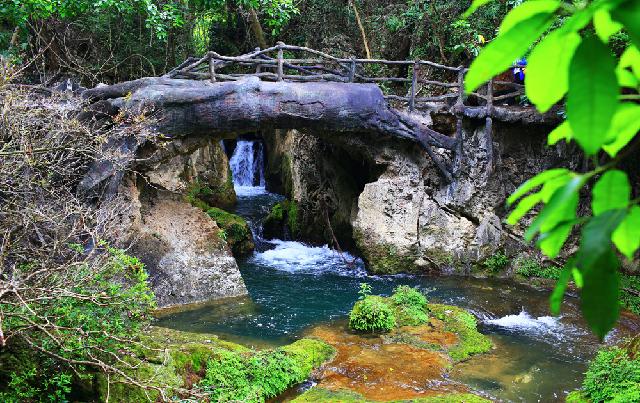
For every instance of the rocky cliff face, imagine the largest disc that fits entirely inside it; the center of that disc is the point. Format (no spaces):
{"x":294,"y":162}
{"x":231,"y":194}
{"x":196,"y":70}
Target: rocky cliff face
{"x":405,"y":219}
{"x":180,"y":245}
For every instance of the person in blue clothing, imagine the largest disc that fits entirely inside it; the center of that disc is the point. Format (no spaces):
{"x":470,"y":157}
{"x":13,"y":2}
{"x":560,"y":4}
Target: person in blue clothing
{"x":519,"y":71}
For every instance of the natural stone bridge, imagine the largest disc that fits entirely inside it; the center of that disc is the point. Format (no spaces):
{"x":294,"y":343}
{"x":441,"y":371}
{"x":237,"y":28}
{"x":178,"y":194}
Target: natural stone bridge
{"x":233,"y":95}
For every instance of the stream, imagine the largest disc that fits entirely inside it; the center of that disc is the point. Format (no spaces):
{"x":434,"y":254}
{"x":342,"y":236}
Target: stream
{"x":293,"y":287}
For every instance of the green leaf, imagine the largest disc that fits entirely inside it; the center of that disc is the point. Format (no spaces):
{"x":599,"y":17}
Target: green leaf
{"x":627,"y":236}
{"x":526,"y":10}
{"x":551,"y":242}
{"x":577,"y":277}
{"x":536,"y":181}
{"x":561,"y":207}
{"x":548,"y":68}
{"x":555,"y":300}
{"x":631,"y":58}
{"x":499,"y":55}
{"x":523,"y":207}
{"x":611,"y":192}
{"x":624,"y":127}
{"x":600,"y":294}
{"x":604,"y":25}
{"x":474,"y":6}
{"x":562,"y":132}
{"x":599,"y":267}
{"x":628,"y":13}
{"x":626,"y":78}
{"x":593,"y":94}
{"x":552,"y":185}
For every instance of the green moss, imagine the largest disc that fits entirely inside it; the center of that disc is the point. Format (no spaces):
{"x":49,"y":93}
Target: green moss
{"x":372,"y":314}
{"x":465,"y":326}
{"x":383,"y":258}
{"x":319,"y":394}
{"x":236,"y":230}
{"x":410,"y":306}
{"x":283,"y":217}
{"x":163,"y":376}
{"x":204,"y":196}
{"x":254,"y":377}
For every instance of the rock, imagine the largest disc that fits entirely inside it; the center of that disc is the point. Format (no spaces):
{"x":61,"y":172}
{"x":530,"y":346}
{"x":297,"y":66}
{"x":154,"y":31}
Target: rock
{"x":203,"y":173}
{"x":179,"y":244}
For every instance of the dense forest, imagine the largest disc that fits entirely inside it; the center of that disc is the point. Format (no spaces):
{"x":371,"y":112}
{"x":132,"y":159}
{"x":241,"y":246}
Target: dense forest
{"x":449,"y":212}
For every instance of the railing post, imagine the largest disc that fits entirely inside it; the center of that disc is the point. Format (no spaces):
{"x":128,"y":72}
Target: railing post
{"x":352,"y":70}
{"x":280,"y":61}
{"x":414,"y":84}
{"x":258,"y":65}
{"x":212,"y":69}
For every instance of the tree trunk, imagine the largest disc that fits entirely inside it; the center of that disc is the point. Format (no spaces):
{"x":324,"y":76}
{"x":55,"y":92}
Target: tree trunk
{"x":361,"y":27}
{"x":256,"y":28}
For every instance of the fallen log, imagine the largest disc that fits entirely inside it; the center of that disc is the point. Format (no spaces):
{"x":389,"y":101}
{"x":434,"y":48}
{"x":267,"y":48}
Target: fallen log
{"x":191,"y":107}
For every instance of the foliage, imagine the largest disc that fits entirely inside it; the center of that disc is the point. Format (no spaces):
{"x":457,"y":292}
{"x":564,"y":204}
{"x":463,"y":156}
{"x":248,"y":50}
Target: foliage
{"x":235,"y":229}
{"x":364,"y":291}
{"x":372,"y":314}
{"x":630,"y":295}
{"x":496,"y":262}
{"x":255,"y":377}
{"x":29,"y":385}
{"x":532,"y":268}
{"x":612,"y":376}
{"x":599,"y":120}
{"x":410,"y":306}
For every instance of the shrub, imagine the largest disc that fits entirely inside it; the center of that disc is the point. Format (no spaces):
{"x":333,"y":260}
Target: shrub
{"x":372,"y":314}
{"x":612,"y":376}
{"x":496,"y":262}
{"x":532,"y":268}
{"x":410,"y":306}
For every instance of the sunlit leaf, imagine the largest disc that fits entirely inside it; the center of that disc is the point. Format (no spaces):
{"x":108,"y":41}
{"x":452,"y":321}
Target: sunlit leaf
{"x":611,"y":192}
{"x":561,"y":207}
{"x":593,"y":93}
{"x":604,"y":25}
{"x":474,"y":6}
{"x":631,"y":58}
{"x":552,"y":241}
{"x":626,"y":78}
{"x":499,"y":55}
{"x":536,"y":181}
{"x":624,"y":127}
{"x":562,"y":132}
{"x":523,"y":207}
{"x":628,"y":13}
{"x":577,"y":277}
{"x":547,"y":78}
{"x":526,"y":10}
{"x":627,"y":236}
{"x":552,"y":185}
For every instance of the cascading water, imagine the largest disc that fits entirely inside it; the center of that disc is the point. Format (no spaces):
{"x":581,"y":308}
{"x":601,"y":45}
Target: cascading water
{"x":294,"y":286}
{"x":247,"y":167}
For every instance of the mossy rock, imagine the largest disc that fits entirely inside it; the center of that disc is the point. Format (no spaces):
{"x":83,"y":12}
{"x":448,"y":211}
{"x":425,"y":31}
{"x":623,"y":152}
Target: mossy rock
{"x":465,"y":326}
{"x":384,"y":258}
{"x":319,"y":394}
{"x":222,"y":196}
{"x":576,"y":397}
{"x":282,"y":222}
{"x":236,"y":230}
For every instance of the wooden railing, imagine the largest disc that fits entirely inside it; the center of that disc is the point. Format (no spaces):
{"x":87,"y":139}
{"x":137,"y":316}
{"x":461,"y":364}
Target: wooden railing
{"x":301,"y":64}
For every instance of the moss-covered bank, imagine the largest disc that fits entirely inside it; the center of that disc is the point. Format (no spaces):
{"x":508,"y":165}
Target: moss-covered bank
{"x":282,"y":221}
{"x":318,"y":394}
{"x":176,"y":362}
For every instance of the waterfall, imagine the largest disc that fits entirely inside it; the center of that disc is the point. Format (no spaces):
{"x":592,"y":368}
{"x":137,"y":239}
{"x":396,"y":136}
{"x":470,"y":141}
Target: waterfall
{"x":247,"y":166}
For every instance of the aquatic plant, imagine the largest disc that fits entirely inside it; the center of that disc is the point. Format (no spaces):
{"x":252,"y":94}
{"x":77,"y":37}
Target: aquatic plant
{"x":372,"y":314}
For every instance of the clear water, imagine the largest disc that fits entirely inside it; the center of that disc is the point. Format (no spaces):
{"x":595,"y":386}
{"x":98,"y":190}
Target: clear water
{"x":293,"y":286}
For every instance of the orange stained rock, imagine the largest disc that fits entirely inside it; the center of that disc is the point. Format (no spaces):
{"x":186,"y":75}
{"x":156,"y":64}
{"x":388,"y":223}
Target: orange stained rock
{"x":378,"y":371}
